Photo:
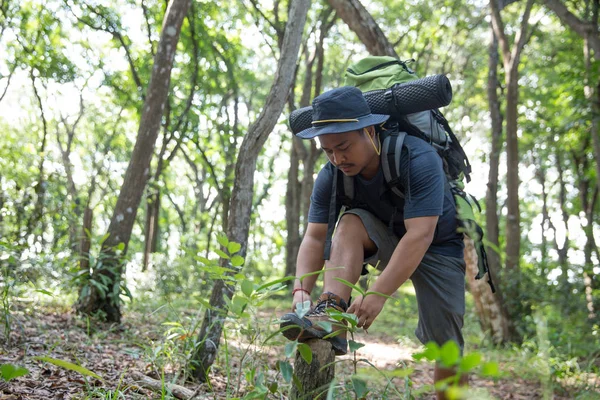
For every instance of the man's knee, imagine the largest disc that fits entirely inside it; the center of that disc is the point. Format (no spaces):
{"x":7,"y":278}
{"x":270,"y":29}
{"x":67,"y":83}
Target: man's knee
{"x":350,"y":225}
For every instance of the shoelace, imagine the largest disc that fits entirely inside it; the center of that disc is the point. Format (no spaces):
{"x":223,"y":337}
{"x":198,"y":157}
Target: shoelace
{"x":322,"y":306}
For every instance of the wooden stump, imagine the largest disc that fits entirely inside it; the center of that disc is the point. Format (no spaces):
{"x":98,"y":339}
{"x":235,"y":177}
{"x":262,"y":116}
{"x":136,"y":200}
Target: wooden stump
{"x":313,"y":380}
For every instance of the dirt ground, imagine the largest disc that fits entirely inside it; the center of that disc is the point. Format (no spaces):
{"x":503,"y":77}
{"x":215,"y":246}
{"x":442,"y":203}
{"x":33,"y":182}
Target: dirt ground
{"x":120,"y":355}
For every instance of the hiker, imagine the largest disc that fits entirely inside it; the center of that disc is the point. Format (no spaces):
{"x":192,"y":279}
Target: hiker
{"x":414,"y":237}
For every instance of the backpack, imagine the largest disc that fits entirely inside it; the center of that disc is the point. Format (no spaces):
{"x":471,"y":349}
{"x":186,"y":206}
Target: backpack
{"x":383,"y":73}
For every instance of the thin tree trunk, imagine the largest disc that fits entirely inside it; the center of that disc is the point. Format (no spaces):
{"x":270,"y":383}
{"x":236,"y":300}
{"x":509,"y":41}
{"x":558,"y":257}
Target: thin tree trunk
{"x":136,"y":176}
{"x":502,"y":333}
{"x":242,"y":194}
{"x":511,"y":60}
{"x":40,"y":186}
{"x":563,"y":251}
{"x":85,"y":243}
{"x":292,"y":210}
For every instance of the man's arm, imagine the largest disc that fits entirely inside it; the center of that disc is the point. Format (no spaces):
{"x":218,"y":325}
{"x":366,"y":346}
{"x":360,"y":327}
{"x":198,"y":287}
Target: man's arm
{"x":404,"y":261}
{"x":310,"y":259}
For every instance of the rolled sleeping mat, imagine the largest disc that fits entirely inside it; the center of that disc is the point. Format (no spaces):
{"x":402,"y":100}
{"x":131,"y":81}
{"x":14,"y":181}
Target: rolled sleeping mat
{"x":406,"y":98}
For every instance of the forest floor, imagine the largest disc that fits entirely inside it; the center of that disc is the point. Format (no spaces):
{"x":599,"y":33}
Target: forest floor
{"x":123,"y":354}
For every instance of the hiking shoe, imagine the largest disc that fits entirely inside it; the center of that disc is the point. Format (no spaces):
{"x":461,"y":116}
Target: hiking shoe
{"x":308,"y":327}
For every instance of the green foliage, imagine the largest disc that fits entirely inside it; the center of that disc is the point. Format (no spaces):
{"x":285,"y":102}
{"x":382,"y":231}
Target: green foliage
{"x":70,"y":366}
{"x":9,"y":372}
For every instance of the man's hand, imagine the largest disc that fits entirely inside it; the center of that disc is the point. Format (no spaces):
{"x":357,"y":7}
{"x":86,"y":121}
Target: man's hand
{"x":367,"y":309}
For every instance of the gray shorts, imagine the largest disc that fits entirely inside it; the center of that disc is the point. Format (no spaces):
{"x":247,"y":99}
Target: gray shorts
{"x":439,"y":283}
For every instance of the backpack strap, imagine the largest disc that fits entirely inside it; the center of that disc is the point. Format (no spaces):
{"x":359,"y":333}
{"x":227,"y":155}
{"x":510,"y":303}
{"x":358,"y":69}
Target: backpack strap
{"x":390,"y":160}
{"x":347,"y":196}
{"x":468,"y":225}
{"x":465,"y":165}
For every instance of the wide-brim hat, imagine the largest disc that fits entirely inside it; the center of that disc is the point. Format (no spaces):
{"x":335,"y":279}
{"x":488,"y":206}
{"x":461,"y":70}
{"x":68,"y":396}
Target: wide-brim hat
{"x":340,"y":110}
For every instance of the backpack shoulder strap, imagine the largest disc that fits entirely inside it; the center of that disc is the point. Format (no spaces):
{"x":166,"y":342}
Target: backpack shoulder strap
{"x":390,"y":159}
{"x":346,"y":195}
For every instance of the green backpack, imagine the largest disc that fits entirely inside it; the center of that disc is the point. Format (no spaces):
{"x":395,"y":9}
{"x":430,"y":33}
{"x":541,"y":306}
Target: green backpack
{"x":382,"y":73}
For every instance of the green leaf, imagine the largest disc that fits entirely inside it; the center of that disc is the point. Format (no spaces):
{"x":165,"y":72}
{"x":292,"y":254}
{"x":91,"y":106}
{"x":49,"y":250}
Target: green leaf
{"x":237,"y":261}
{"x":222,"y":254}
{"x":247,"y":287}
{"x":273,"y":387}
{"x":10,"y":371}
{"x":305,"y":352}
{"x":360,"y":387}
{"x":69,"y":366}
{"x":431,"y":352}
{"x":378,"y":294}
{"x":302,"y":308}
{"x":233,"y":247}
{"x":103,"y":238}
{"x":490,"y":369}
{"x":223,"y":241}
{"x":450,"y":353}
{"x":275,"y":282}
{"x":290,"y":349}
{"x":353,"y":286}
{"x":331,"y":391}
{"x":204,"y":260}
{"x":44,"y":291}
{"x":317,"y":273}
{"x":470,"y":361}
{"x":399,"y":373}
{"x":102,"y":289}
{"x":239,"y":301}
{"x":355,"y":345}
{"x":327,"y":326}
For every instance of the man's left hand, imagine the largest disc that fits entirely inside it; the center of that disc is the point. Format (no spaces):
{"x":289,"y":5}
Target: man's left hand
{"x":367,"y":309}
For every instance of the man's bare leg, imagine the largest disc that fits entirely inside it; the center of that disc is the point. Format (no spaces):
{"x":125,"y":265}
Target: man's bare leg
{"x":441,"y":373}
{"x":350,"y":244}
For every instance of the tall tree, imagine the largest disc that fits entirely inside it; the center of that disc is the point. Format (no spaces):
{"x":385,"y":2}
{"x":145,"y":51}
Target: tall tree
{"x":511,"y":60}
{"x":242,"y":194}
{"x":109,"y":270}
{"x":496,"y":322}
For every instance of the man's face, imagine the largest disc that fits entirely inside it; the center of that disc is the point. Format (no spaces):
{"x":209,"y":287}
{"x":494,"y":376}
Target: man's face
{"x":352,"y":152}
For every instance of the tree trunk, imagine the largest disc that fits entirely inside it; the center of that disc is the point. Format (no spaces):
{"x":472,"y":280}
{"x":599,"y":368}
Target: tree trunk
{"x":85,"y":243}
{"x":491,"y":207}
{"x":511,"y":59}
{"x":364,"y":25}
{"x":292,"y":210}
{"x":563,"y":251}
{"x":136,"y":176}
{"x":242,"y":194}
{"x":489,"y":309}
{"x":40,"y":186}
{"x":314,"y":381}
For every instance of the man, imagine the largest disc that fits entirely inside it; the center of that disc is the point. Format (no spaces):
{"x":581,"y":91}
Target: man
{"x":414,"y":237}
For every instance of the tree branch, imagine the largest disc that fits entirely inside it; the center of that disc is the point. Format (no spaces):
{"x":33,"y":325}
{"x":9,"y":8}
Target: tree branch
{"x":582,"y":28}
{"x":112,"y":30}
{"x":148,"y":28}
{"x":498,"y":27}
{"x":522,"y":37}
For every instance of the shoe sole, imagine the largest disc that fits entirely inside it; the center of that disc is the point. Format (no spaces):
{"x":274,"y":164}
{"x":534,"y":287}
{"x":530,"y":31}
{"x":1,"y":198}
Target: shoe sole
{"x":295,"y":331}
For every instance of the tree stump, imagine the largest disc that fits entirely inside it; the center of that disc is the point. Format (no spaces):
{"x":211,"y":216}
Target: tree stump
{"x":314,"y":381}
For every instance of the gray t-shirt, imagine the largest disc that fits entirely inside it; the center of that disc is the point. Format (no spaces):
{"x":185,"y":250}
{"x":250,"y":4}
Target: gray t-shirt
{"x":426,"y":193}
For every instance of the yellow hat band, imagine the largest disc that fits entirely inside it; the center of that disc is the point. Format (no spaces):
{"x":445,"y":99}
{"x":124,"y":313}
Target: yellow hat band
{"x":324,"y":121}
